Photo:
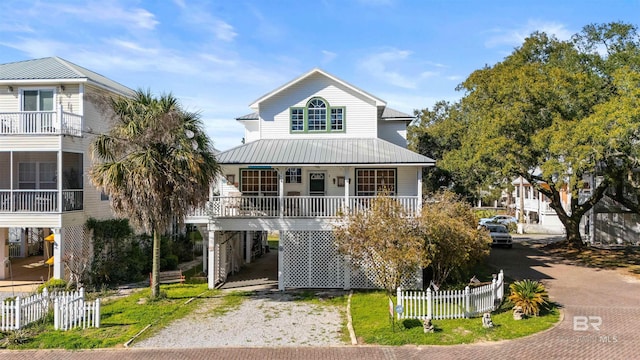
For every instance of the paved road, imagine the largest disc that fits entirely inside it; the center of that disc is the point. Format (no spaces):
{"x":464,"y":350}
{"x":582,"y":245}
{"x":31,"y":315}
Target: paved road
{"x":610,"y":299}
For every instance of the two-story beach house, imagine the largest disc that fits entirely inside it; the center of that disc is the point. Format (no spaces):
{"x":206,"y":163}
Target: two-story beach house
{"x":314,"y":147}
{"x":46,"y":126}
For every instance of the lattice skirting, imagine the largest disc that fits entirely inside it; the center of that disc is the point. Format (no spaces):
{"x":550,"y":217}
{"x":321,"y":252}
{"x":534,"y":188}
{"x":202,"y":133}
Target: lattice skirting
{"x":311,"y":260}
{"x":78,"y":249}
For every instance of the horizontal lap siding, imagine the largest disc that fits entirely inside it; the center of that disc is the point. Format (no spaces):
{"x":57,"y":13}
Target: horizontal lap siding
{"x":93,"y":118}
{"x":360,"y":112}
{"x":407,"y":181}
{"x":394,"y":132}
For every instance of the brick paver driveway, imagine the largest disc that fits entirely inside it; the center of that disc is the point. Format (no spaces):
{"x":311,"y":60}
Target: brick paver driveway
{"x":589,"y":298}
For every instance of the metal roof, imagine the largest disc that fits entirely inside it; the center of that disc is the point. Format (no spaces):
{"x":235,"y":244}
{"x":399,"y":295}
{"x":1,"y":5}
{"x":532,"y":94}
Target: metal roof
{"x":335,"y":152}
{"x":55,"y":68}
{"x":393,"y":114}
{"x":252,"y":116}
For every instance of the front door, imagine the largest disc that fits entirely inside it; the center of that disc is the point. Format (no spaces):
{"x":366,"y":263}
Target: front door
{"x":317,"y":192}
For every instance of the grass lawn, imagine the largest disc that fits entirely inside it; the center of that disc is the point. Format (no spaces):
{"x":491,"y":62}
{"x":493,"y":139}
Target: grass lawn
{"x":121,"y":319}
{"x":370,"y":313}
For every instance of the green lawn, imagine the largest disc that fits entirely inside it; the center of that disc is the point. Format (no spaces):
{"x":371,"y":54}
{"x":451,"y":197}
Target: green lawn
{"x":370,"y":313}
{"x":121,"y":319}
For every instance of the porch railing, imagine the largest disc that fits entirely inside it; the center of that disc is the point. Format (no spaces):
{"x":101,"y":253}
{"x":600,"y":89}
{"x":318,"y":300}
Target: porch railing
{"x":40,"y":123}
{"x":296,"y":206}
{"x":42,"y":201}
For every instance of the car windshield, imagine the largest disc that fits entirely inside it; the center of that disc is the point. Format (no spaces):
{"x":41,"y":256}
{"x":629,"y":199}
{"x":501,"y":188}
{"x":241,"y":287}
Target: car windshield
{"x":499,"y":229}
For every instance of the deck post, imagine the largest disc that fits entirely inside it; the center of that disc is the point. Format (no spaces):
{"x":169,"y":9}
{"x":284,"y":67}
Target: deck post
{"x":211,"y":273}
{"x":247,"y":246}
{"x":58,"y":253}
{"x":419,"y":204}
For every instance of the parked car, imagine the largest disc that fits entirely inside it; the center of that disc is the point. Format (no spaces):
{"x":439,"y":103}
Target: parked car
{"x":499,"y":219}
{"x":499,"y":235}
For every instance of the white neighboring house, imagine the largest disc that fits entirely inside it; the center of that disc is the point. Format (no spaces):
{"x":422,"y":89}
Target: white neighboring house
{"x":538,"y":215}
{"x":46,"y":126}
{"x":313,"y":147}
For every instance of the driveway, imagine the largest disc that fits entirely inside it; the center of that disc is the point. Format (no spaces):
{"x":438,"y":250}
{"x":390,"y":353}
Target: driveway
{"x":601,"y":320}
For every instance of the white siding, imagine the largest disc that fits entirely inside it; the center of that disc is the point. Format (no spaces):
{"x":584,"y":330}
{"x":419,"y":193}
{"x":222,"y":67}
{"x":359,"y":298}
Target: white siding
{"x":93,"y":119}
{"x":251,"y":130}
{"x":9,"y":101}
{"x":360,"y":112}
{"x":408,"y":180}
{"x":393,"y":131}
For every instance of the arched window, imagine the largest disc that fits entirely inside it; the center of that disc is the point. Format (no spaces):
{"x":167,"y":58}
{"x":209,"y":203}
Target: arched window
{"x":317,"y":115}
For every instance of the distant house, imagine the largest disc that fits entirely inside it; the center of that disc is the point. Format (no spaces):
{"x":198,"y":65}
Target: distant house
{"x":313,"y":147}
{"x":46,"y":127}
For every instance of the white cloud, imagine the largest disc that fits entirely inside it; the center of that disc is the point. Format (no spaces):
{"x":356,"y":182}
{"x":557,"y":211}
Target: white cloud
{"x":378,"y":65}
{"x":515,"y":37}
{"x":328,"y":56}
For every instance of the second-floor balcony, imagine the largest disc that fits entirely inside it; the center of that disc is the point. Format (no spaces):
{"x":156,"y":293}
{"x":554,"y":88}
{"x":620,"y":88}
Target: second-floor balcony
{"x":295,"y":206}
{"x":40,"y":201}
{"x":40,"y":123}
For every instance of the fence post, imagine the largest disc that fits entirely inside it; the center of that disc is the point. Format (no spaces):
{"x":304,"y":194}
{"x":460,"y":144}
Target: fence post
{"x":494,"y":294}
{"x":467,"y":302}
{"x":18,"y":310}
{"x":429,"y":314}
{"x":399,"y":301}
{"x":56,"y":315}
{"x":96,"y":314}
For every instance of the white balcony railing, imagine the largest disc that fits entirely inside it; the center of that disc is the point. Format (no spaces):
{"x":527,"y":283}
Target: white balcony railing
{"x":40,"y":123}
{"x":294,"y":206}
{"x":40,"y":201}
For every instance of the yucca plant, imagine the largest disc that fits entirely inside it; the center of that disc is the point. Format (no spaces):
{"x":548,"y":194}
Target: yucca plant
{"x":530,"y":295}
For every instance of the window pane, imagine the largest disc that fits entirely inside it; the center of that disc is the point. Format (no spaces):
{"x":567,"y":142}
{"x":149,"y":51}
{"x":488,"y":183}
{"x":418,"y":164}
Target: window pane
{"x":337,"y":122}
{"x":30,"y":100}
{"x":297,"y":119}
{"x":46,"y":100}
{"x":317,"y":114}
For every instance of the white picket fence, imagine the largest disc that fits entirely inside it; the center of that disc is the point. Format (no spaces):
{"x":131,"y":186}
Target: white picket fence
{"x":451,"y":304}
{"x":70,"y":310}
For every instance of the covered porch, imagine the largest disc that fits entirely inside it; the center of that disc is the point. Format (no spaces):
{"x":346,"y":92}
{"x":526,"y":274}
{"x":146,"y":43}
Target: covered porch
{"x":32,"y":181}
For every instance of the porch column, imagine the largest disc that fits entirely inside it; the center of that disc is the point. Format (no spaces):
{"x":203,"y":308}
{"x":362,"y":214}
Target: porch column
{"x":247,"y":246}
{"x":347,"y":185}
{"x":4,"y":253}
{"x":58,"y":253}
{"x":281,"y":261}
{"x":419,"y":204}
{"x":59,"y":177}
{"x":281,"y":173}
{"x":211,"y":273}
{"x":205,"y":248}
{"x":23,"y":242}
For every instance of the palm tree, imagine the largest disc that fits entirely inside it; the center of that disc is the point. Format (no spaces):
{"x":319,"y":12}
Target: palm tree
{"x":155,"y":163}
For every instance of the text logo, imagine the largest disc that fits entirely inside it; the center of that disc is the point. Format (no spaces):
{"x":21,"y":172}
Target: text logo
{"x":582,"y":323}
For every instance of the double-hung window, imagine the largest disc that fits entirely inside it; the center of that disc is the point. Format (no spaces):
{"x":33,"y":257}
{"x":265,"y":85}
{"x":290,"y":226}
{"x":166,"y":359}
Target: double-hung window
{"x":370,"y":182}
{"x":318,"y":117}
{"x":293,"y":176}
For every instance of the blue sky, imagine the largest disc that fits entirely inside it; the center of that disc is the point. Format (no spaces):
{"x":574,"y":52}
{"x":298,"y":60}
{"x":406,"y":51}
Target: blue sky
{"x":219,"y":56}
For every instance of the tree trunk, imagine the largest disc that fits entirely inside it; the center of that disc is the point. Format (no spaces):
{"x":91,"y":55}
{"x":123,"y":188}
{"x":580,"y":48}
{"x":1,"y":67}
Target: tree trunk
{"x":155,"y":270}
{"x":572,"y":227}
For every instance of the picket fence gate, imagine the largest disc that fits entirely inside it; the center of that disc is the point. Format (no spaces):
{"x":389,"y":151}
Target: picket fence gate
{"x":451,"y":304}
{"x":69,"y":309}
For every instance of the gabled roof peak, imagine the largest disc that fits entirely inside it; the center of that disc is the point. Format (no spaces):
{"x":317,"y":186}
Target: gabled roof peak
{"x":314,"y":71}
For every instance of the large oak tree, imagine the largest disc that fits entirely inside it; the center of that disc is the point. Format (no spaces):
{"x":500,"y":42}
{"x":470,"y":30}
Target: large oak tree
{"x":556,"y":113}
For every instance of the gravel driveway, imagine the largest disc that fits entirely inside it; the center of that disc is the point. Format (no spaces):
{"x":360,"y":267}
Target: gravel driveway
{"x":267,"y":318}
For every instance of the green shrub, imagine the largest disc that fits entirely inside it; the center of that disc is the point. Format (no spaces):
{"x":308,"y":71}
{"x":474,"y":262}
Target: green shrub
{"x":530,"y":295}
{"x":169,"y":262}
{"x":52,"y":284}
